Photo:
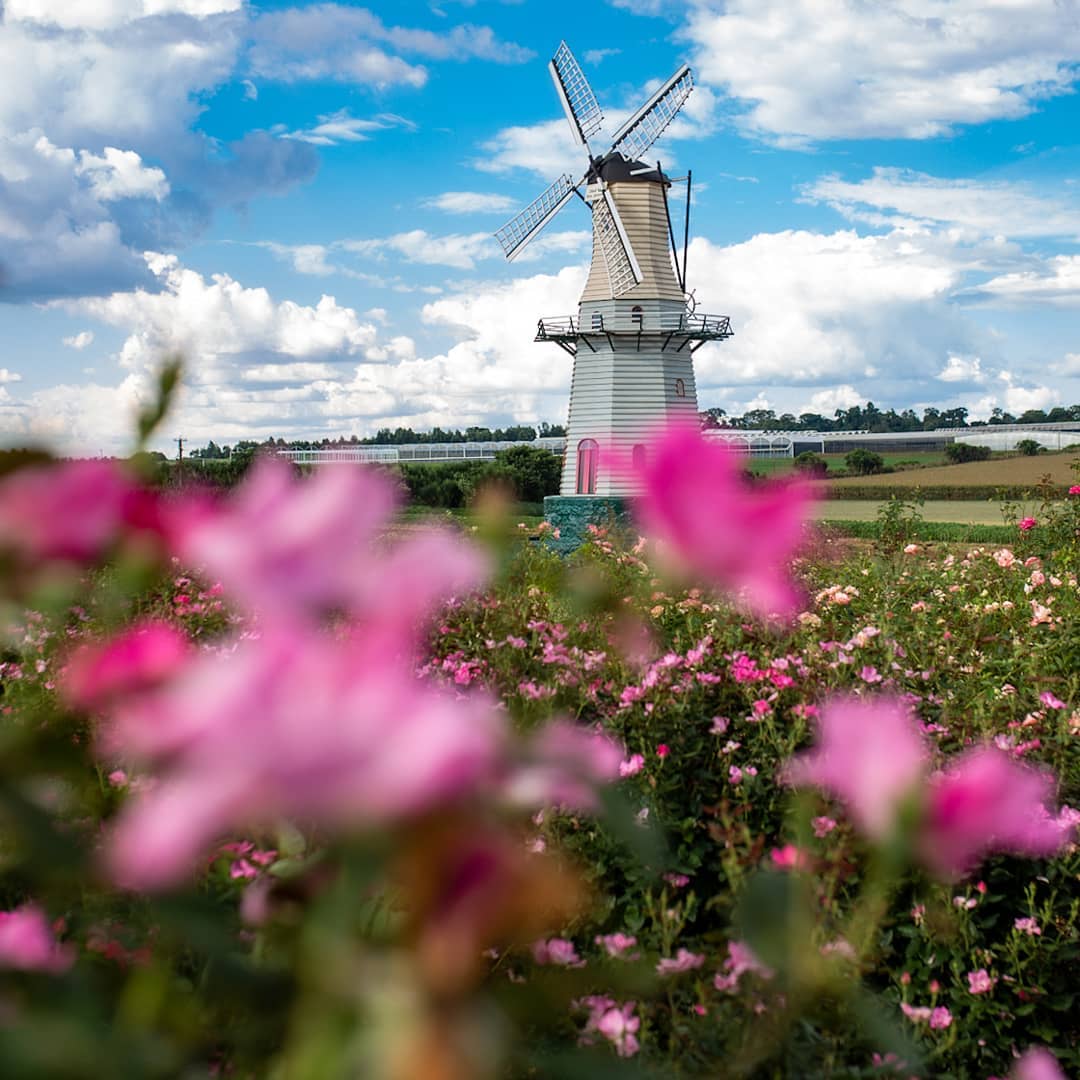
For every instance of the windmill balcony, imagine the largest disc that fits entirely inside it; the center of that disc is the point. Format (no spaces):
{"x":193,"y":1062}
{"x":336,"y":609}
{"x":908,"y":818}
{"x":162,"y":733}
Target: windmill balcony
{"x":673,"y":328}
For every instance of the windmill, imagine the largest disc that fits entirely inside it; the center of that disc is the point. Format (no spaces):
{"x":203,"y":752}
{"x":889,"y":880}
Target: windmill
{"x":636,"y":329}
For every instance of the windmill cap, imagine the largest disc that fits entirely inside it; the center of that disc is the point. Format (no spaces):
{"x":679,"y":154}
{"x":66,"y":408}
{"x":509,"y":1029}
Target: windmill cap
{"x":613,"y":166}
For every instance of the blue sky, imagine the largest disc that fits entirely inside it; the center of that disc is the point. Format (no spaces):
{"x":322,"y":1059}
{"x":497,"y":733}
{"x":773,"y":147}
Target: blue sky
{"x":299,"y":198}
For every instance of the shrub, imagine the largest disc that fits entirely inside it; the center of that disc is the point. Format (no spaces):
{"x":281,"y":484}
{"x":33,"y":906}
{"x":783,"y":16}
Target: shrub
{"x":1029,"y":448}
{"x":812,"y":464}
{"x":958,"y":452}
{"x":864,"y":462}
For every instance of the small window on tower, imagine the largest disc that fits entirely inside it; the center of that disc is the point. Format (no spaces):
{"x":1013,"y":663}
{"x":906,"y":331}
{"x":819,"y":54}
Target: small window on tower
{"x":597,"y":321}
{"x":637,"y":317}
{"x":588,"y":451}
{"x":680,"y":388}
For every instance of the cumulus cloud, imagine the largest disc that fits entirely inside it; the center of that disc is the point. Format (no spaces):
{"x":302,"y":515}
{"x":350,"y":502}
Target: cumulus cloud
{"x":884,"y":69}
{"x":962,"y":369}
{"x":545,"y":149}
{"x":826,"y":402}
{"x":460,"y":251}
{"x":470,"y":202}
{"x":335,"y":41}
{"x":7,"y":376}
{"x":120,"y":174}
{"x":99,"y":14}
{"x":982,"y":207}
{"x":79,"y":341}
{"x":814,"y":309}
{"x":1055,"y":282}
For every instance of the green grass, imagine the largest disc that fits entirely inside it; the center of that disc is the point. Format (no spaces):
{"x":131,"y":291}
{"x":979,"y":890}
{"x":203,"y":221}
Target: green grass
{"x":835,"y":462}
{"x":949,"y":532}
{"x":937,"y":510}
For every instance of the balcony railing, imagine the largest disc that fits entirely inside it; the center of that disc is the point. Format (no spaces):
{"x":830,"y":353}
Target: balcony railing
{"x":698,"y":327}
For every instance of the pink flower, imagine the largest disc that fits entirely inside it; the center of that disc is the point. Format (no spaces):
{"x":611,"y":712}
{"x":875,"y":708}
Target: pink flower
{"x":917,"y":1014}
{"x":27,"y":943}
{"x":980,"y":982}
{"x":940,"y":1018}
{"x":1075,"y":489}
{"x":662,"y":751}
{"x":1028,"y":926}
{"x":557,"y":951}
{"x":281,"y":544}
{"x":1038,"y":1064}
{"x":616,"y":945}
{"x":983,"y":802}
{"x":682,"y":961}
{"x":619,"y":1027}
{"x":291,"y":724}
{"x":740,"y":959}
{"x":740,"y":537}
{"x":71,"y":510}
{"x":790,"y":857}
{"x":140,"y":658}
{"x":869,"y":754}
{"x":823,"y":826}
{"x":1026,"y":524}
{"x":565,"y":763}
{"x":632,"y":765}
{"x":1050,"y":701}
{"x":677,"y":881}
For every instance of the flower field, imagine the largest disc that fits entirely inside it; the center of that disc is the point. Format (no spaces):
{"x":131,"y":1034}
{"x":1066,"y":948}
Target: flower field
{"x":286,"y":793}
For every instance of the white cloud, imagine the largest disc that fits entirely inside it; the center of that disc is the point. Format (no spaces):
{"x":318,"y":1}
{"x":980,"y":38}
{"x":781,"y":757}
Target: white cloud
{"x":598,"y":56}
{"x":100,"y":14}
{"x":546,"y":149}
{"x":120,"y":174}
{"x":983,"y":207}
{"x":417,"y":246}
{"x":335,"y":41}
{"x":80,"y":340}
{"x":1055,"y":282}
{"x":813,"y":309}
{"x":1069,"y":365}
{"x":888,"y":69}
{"x":7,"y":376}
{"x":341,"y":127}
{"x":967,"y":369}
{"x":470,"y":202}
{"x":826,"y":402}
{"x":1018,"y":399}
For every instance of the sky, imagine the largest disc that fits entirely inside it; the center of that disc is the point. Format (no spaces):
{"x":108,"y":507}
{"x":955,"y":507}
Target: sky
{"x":299,"y":200}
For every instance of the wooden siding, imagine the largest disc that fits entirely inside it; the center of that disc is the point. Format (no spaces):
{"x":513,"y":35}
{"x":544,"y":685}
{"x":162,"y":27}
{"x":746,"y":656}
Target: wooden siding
{"x":641,"y":208}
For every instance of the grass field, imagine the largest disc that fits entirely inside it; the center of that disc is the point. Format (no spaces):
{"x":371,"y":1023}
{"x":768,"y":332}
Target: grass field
{"x":773,"y":466}
{"x":999,"y":471}
{"x":962,"y":513}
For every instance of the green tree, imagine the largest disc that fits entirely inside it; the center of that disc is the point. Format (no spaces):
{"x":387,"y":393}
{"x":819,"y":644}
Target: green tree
{"x":864,"y":462}
{"x":535,"y":472}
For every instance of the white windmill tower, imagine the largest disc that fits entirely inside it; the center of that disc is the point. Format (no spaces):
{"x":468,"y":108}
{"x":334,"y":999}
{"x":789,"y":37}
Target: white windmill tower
{"x":636,"y":331}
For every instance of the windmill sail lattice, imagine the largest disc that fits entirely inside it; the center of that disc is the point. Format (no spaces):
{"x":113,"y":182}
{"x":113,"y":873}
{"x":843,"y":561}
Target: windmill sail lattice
{"x":622,"y":267}
{"x":635,"y":137}
{"x":519,"y":230}
{"x":575,"y":93}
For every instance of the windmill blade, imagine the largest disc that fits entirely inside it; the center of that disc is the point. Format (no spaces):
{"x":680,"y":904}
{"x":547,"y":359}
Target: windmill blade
{"x":622,"y":266}
{"x":519,"y":230}
{"x":635,"y":137}
{"x":578,"y":101}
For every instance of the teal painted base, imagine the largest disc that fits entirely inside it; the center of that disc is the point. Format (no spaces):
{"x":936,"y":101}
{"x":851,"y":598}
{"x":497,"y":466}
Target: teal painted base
{"x":573,"y":514}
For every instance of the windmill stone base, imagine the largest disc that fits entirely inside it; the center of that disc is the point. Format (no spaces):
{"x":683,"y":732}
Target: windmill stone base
{"x":573,"y":514}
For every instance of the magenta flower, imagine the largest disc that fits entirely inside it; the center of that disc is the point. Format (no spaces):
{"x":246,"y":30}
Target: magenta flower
{"x":1038,"y":1064}
{"x":1075,"y":489}
{"x":72,"y":511}
{"x":292,"y":724}
{"x":632,"y":765}
{"x":984,"y":801}
{"x":143,"y":656}
{"x":1051,"y":701}
{"x":619,"y":1027}
{"x":1027,"y":524}
{"x":682,"y":961}
{"x":27,"y":943}
{"x":980,"y":982}
{"x":740,"y":960}
{"x":740,"y":537}
{"x":870,"y":755}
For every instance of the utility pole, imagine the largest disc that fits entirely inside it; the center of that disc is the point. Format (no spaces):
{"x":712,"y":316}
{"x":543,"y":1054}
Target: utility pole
{"x":180,"y":459}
